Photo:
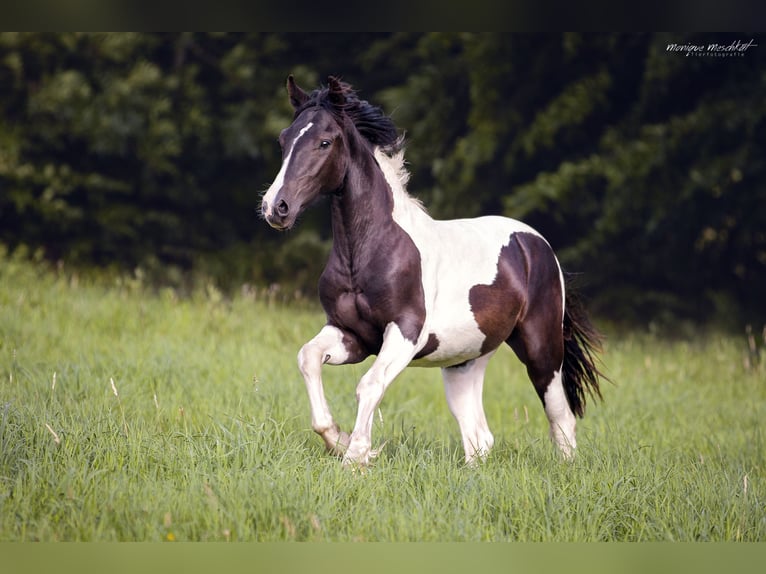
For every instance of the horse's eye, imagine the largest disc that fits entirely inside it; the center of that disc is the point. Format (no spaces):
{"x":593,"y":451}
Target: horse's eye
{"x":324,"y":144}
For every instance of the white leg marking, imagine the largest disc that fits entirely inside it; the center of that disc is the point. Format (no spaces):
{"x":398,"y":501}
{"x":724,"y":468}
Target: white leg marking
{"x":562,"y":420}
{"x":326,"y":347}
{"x":395,"y":354}
{"x":463,"y":387}
{"x":280,"y":179}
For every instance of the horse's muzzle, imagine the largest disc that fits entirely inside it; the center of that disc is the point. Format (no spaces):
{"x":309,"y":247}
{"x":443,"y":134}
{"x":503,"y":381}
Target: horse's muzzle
{"x":279,"y":217}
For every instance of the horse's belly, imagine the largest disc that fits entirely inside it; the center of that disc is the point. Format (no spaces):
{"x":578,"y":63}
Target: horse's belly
{"x":456,"y":343}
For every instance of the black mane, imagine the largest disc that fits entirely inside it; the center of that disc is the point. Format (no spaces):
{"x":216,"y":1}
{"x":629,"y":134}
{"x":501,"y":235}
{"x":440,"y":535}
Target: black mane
{"x":370,"y":121}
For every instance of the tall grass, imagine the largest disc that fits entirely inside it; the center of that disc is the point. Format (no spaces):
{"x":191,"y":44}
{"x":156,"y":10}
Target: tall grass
{"x":128,"y":414}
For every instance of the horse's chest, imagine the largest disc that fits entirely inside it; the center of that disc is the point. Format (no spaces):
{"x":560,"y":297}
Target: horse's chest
{"x":350,"y":307}
{"x":382,"y":290}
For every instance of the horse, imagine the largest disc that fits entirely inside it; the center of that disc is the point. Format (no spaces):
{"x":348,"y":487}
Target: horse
{"x":413,"y":290}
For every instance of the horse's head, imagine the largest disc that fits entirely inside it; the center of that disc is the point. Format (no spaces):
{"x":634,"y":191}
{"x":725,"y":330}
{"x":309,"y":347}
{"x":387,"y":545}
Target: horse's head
{"x":332,"y":128}
{"x":314,"y":154}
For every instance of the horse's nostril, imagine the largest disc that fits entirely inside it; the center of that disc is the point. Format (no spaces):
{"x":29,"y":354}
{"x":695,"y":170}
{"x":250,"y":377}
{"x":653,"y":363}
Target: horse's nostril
{"x":282,"y":208}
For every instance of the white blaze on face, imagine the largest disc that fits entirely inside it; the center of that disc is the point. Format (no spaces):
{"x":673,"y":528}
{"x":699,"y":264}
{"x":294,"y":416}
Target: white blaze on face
{"x":268,"y":199}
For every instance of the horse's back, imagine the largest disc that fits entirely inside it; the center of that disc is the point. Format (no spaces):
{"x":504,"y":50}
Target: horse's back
{"x":461,"y":253}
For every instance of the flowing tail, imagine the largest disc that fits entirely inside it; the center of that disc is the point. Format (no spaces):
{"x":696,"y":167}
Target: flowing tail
{"x":582,"y":343}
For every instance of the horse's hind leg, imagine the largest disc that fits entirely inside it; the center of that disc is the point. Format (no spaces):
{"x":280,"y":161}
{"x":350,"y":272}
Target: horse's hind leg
{"x":539,"y":344}
{"x":463,"y":386}
{"x":334,"y":347}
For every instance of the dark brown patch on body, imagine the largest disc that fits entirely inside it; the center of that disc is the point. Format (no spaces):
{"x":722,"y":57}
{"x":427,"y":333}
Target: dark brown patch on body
{"x":431,"y":345}
{"x":501,"y":305}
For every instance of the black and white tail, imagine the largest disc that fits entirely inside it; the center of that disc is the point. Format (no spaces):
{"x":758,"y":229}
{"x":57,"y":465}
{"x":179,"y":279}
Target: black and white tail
{"x":582,"y":343}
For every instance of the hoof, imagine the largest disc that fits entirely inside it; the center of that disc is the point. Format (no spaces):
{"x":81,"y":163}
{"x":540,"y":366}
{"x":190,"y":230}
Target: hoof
{"x":339,"y":444}
{"x":361,"y":460}
{"x":377,"y":451}
{"x":355,"y":466}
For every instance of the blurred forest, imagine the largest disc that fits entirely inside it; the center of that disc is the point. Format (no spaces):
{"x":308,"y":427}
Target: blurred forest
{"x":644,"y":167}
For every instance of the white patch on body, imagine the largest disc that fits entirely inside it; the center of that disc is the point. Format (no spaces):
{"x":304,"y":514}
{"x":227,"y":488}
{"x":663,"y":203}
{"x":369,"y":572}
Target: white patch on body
{"x":279,"y":181}
{"x":562,"y":420}
{"x":455,"y":255}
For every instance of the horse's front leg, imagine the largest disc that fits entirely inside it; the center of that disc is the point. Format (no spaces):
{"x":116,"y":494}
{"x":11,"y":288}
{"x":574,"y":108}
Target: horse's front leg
{"x":335,"y":347}
{"x":395,"y":354}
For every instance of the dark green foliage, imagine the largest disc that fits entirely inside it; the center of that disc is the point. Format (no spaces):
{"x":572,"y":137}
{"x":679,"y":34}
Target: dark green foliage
{"x":644,"y":167}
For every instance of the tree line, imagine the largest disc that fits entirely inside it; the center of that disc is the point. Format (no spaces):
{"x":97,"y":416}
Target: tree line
{"x":642,"y":163}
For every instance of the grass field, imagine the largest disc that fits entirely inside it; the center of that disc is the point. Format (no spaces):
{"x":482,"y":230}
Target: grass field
{"x":128,"y":415}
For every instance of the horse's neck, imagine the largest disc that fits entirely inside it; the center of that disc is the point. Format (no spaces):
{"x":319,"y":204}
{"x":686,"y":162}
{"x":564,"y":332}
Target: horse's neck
{"x":361,"y":212}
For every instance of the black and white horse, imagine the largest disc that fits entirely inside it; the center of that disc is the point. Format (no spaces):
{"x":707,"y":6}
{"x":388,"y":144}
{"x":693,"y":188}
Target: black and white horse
{"x":417,"y":291}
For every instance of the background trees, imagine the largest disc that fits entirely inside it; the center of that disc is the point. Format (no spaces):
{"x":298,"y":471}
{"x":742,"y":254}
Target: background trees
{"x":644,"y":167}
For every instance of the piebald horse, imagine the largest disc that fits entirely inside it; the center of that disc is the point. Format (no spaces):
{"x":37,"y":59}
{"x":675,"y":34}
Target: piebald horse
{"x":413,"y":290}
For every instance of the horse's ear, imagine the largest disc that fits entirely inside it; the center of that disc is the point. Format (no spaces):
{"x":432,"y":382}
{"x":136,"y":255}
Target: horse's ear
{"x":337,"y":92}
{"x":297,"y":96}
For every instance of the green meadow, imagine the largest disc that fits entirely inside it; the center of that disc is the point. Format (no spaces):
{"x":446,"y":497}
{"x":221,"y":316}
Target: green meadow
{"x":129,"y":413}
